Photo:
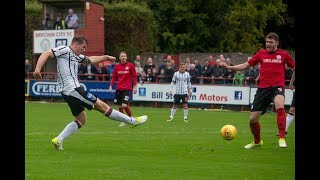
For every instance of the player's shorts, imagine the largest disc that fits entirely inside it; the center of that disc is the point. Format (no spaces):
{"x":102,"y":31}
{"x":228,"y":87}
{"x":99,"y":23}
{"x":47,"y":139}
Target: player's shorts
{"x":264,"y":97}
{"x":122,"y":97}
{"x":177,"y":98}
{"x":293,"y":102}
{"x":79,"y":99}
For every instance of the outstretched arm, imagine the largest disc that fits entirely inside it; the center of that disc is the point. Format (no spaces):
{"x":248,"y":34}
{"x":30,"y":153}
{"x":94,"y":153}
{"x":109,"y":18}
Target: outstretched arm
{"x":239,"y":67}
{"x":41,"y":61}
{"x":97,"y":59}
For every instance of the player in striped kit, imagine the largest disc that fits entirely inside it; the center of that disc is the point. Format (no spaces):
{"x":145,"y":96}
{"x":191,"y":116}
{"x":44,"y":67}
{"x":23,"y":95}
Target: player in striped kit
{"x":181,"y":79}
{"x":77,"y":97}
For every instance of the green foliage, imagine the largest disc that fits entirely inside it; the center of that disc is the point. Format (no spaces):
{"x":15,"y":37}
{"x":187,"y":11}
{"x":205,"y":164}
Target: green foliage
{"x":246,"y":23}
{"x":129,"y":27}
{"x":33,"y":21}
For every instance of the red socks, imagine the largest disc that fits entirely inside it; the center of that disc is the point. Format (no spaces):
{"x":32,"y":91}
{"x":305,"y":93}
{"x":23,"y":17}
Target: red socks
{"x":255,"y":130}
{"x":127,"y":109}
{"x":281,"y":121}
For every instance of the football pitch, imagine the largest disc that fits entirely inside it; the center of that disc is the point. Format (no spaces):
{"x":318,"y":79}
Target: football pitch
{"x":155,"y":150}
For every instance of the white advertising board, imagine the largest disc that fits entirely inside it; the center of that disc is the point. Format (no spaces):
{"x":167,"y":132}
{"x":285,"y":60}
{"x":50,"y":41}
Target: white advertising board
{"x":47,"y":39}
{"x":237,"y":95}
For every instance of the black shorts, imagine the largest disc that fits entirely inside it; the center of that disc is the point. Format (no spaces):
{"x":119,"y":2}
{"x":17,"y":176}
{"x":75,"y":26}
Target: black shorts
{"x":79,"y":99}
{"x":122,"y":97}
{"x":178,"y":97}
{"x":293,"y":102}
{"x":264,"y":97}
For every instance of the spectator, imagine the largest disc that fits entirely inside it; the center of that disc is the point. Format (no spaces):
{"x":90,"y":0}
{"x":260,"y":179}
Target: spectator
{"x":81,"y":71}
{"x":250,"y":76}
{"x":164,"y":63}
{"x":206,"y":72}
{"x":27,"y":68}
{"x":162,"y":76}
{"x":90,"y":71}
{"x":238,"y":78}
{"x":72,"y":20}
{"x":194,"y":73}
{"x":187,"y":63}
{"x":150,"y":77}
{"x":138,"y":59}
{"x":111,"y":67}
{"x":229,"y":74}
{"x":47,"y":22}
{"x":139,"y":69}
{"x":196,"y":63}
{"x":59,"y":23}
{"x":218,"y":72}
{"x":102,"y":70}
{"x":149,"y":65}
{"x":211,"y":61}
{"x":173,"y":64}
{"x":169,"y":71}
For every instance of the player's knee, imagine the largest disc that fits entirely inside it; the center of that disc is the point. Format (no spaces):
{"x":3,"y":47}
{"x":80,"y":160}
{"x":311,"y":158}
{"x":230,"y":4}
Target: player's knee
{"x":123,"y":105}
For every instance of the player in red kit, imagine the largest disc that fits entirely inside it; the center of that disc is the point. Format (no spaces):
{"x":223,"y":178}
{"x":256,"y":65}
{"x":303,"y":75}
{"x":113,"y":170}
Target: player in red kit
{"x":270,"y":88}
{"x":125,"y":74}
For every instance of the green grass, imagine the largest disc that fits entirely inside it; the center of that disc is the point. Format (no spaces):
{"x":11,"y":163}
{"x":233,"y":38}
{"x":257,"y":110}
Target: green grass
{"x":155,"y":150}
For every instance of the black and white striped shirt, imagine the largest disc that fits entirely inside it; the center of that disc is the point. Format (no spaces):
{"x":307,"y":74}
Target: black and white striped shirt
{"x":182,"y":82}
{"x":67,"y":68}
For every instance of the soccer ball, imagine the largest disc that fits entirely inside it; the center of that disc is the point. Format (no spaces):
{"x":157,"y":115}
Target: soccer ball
{"x":228,"y":132}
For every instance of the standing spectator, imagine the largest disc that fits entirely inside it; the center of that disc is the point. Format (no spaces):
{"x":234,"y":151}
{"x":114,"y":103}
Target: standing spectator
{"x":150,"y":77}
{"x":90,"y":71}
{"x":238,"y":78}
{"x":229,"y":74}
{"x":211,"y":61}
{"x":72,"y":20}
{"x":81,"y":71}
{"x":149,"y":65}
{"x":169,"y":71}
{"x":250,"y":76}
{"x":206,"y":72}
{"x":59,"y":23}
{"x":27,"y":68}
{"x":67,"y":58}
{"x":218,"y":72}
{"x":139,"y":69}
{"x":270,"y":88}
{"x":181,"y":79}
{"x":125,"y":73}
{"x":196,"y":63}
{"x":164,"y":63}
{"x":194,"y":73}
{"x":103,"y":72}
{"x":47,"y":22}
{"x":137,"y":59}
{"x":110,"y":68}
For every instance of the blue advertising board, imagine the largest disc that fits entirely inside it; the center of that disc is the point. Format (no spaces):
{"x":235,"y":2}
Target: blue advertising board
{"x":34,"y":88}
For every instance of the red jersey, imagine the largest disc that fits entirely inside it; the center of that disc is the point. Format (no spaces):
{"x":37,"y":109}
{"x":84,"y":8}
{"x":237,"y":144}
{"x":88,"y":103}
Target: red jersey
{"x":125,"y":74}
{"x":272,"y":67}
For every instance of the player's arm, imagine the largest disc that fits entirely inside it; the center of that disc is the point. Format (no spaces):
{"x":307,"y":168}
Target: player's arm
{"x":97,"y":59}
{"x":172,"y":83}
{"x":189,"y":86}
{"x":41,"y":61}
{"x":238,"y":67}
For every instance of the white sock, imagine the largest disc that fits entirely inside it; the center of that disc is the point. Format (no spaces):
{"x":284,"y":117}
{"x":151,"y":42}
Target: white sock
{"x":68,"y":130}
{"x":118,"y":116}
{"x":173,"y":112}
{"x":185,"y":113}
{"x":289,"y":120}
